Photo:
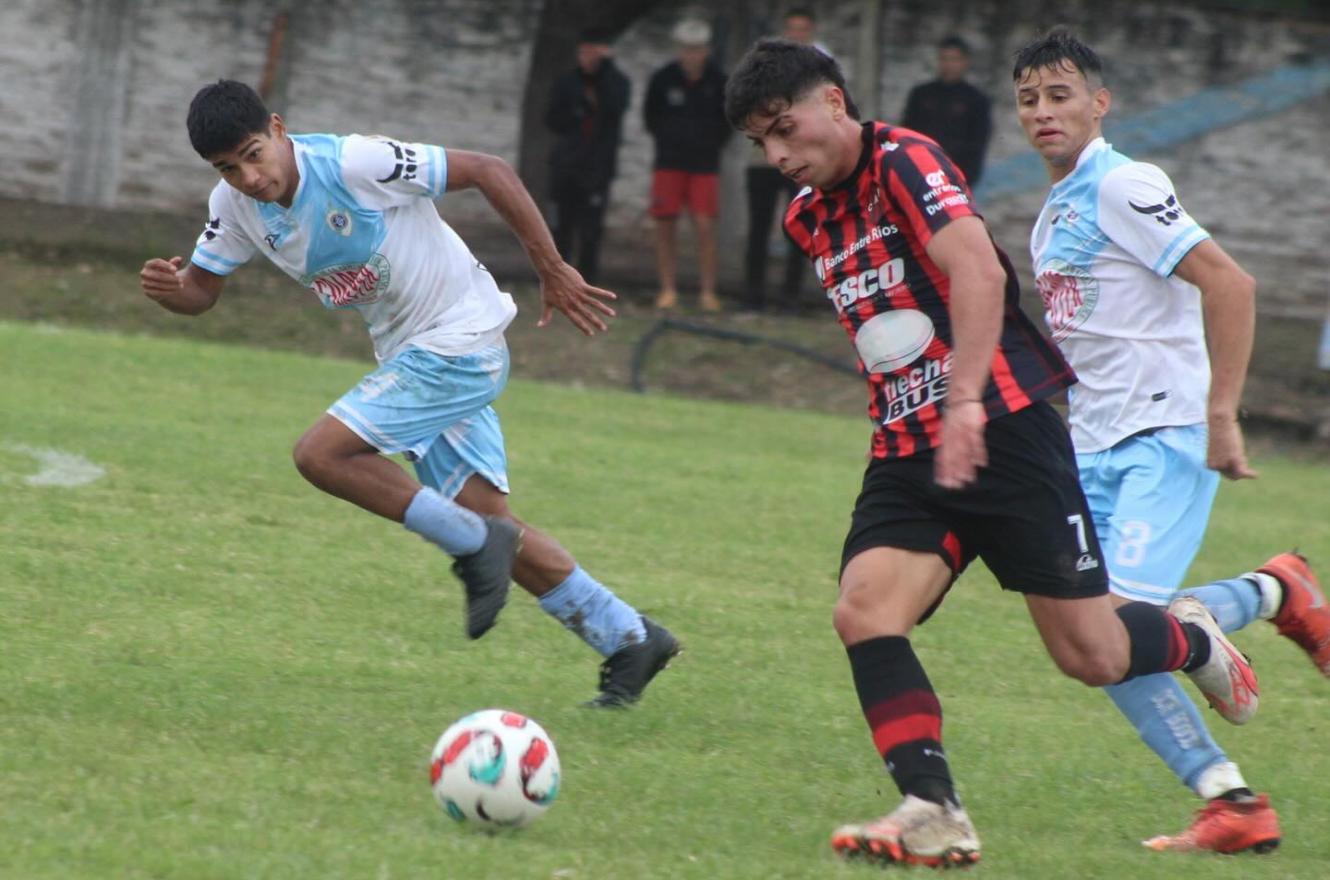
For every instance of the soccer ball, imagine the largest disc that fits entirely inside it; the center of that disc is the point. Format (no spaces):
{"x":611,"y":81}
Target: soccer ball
{"x":495,"y":768}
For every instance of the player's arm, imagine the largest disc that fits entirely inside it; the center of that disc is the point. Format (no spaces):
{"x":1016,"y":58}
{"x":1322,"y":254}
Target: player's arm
{"x":1228,"y":299}
{"x":188,"y":291}
{"x":561,"y":286}
{"x":964,"y":252}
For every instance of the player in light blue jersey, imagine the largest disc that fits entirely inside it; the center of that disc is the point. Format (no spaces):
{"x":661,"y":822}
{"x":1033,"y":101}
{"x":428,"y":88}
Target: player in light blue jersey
{"x":353,"y":219}
{"x":1157,"y":321}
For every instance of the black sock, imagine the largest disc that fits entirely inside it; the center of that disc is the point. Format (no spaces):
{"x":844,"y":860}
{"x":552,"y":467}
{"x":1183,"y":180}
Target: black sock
{"x":904,"y":716}
{"x":1242,"y":795}
{"x":1159,"y":641}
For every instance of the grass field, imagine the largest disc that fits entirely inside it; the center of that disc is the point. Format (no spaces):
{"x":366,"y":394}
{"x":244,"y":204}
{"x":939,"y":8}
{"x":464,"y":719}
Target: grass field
{"x":210,"y":670}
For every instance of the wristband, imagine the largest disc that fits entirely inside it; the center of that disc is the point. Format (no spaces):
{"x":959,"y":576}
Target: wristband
{"x":964,"y":400}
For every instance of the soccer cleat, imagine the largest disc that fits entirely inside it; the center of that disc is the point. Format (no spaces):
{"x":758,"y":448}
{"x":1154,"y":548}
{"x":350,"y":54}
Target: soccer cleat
{"x":918,"y":832}
{"x":1226,"y":679}
{"x":488,"y":573}
{"x":1226,"y":827}
{"x":1305,"y":616}
{"x":626,"y":672}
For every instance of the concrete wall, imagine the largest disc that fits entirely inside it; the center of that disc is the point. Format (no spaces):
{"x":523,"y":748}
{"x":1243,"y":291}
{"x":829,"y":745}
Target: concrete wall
{"x":94,"y":112}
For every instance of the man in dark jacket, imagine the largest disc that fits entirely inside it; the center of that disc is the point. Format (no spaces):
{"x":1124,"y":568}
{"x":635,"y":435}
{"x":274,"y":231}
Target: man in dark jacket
{"x":951,"y":111}
{"x":586,"y":110}
{"x":685,"y":114}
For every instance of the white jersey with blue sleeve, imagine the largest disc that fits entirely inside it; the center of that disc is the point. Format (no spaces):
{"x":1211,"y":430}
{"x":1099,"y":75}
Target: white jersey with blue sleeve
{"x":1105,"y":247}
{"x":362,"y":232}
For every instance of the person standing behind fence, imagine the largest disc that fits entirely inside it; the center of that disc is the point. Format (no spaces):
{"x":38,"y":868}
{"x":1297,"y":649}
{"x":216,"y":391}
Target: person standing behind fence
{"x":951,"y":111}
{"x":766,"y":186}
{"x":684,"y":112}
{"x":586,"y":111}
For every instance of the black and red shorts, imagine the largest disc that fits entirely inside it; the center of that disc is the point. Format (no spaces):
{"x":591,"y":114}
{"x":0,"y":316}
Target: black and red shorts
{"x":1025,"y":516}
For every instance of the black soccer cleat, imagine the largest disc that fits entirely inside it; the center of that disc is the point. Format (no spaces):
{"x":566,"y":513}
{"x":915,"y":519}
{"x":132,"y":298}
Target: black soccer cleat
{"x":488,"y":573}
{"x":627,"y":672}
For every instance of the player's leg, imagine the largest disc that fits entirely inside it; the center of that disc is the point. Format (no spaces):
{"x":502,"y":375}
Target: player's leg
{"x":897,"y":564}
{"x":666,"y":201}
{"x":404,"y":407}
{"x":1027,"y":517}
{"x":469,"y":460}
{"x":704,"y":207}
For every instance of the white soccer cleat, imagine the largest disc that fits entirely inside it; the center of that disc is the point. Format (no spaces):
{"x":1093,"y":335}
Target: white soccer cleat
{"x":1226,"y":680}
{"x":918,"y":832}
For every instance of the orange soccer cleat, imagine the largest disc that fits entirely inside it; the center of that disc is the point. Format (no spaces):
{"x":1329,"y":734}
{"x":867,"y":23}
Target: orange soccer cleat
{"x":1226,"y":827}
{"x":1305,"y":617}
{"x":918,"y":832}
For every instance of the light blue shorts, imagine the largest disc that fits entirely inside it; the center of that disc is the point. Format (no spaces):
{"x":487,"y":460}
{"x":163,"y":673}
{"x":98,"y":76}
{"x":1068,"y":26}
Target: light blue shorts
{"x":1151,"y":496}
{"x":436,"y":411}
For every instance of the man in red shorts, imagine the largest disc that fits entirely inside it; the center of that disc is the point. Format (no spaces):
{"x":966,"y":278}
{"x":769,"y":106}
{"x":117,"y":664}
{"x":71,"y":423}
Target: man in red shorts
{"x":684,"y":112}
{"x":968,"y":458}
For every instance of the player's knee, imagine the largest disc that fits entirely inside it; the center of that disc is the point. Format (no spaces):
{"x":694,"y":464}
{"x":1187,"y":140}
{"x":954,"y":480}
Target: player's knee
{"x":309,"y":459}
{"x":1095,"y":668}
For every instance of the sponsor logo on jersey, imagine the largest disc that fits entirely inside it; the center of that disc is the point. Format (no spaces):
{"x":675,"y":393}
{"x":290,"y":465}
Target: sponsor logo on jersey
{"x":877,"y":233}
{"x":1165,"y":213}
{"x":212,"y":228}
{"x":908,"y":392}
{"x":879,"y":279}
{"x":406,"y":166}
{"x":351,"y":284}
{"x":1070,"y":295}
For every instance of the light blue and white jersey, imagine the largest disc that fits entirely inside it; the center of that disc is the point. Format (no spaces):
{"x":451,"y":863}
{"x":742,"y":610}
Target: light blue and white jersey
{"x":362,"y":232}
{"x":1105,"y":247}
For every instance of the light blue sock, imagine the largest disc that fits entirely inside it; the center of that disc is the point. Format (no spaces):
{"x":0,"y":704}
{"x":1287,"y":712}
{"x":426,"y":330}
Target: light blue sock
{"x":446,"y":523}
{"x":1169,"y":722}
{"x":1235,"y":602}
{"x":600,"y":618}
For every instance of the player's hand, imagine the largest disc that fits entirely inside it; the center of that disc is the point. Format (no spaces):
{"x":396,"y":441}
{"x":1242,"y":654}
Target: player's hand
{"x":161,"y":279}
{"x":563,"y":288}
{"x":1227,"y":453}
{"x":961,"y":452}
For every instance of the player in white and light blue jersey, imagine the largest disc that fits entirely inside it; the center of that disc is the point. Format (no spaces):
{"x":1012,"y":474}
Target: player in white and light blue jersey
{"x":1157,"y":321}
{"x":352,"y":218}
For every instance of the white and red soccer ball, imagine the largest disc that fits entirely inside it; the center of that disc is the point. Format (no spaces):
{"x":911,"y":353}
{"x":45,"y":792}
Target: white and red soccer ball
{"x":495,"y":768}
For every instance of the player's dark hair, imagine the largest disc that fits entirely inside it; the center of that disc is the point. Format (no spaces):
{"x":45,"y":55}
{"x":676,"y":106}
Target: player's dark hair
{"x":952,"y":41}
{"x":799,"y":12}
{"x":223,"y":115}
{"x":1058,"y":48}
{"x":775,"y":73}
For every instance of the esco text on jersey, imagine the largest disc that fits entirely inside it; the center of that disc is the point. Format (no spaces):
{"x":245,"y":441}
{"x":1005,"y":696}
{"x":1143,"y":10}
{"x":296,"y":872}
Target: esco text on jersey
{"x":868,"y":282}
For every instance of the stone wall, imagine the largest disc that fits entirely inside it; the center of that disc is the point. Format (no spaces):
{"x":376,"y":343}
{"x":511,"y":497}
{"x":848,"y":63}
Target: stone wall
{"x":94,"y":114}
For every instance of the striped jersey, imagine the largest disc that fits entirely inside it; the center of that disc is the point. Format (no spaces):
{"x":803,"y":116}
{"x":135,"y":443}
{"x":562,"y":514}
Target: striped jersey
{"x":362,"y":233}
{"x":866,"y":237}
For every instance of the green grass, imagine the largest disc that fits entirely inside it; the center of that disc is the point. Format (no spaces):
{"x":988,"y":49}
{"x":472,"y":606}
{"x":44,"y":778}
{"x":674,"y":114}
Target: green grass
{"x":210,"y":670}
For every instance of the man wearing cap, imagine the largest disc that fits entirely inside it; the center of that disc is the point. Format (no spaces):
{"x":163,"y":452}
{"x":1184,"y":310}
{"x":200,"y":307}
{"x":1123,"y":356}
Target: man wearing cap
{"x":684,"y":112}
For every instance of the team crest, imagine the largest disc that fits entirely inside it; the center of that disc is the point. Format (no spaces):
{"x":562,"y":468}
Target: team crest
{"x":339,"y":221}
{"x":1070,"y":295}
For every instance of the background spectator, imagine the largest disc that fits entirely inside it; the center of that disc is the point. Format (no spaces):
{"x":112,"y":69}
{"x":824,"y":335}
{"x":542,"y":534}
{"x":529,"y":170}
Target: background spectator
{"x":684,"y":112}
{"x":951,"y":111}
{"x":767,"y":188}
{"x":586,"y":110}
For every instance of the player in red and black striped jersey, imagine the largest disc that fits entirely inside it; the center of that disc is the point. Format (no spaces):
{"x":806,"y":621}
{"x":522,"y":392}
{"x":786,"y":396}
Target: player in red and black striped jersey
{"x":868,"y":237}
{"x":968,"y":457}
